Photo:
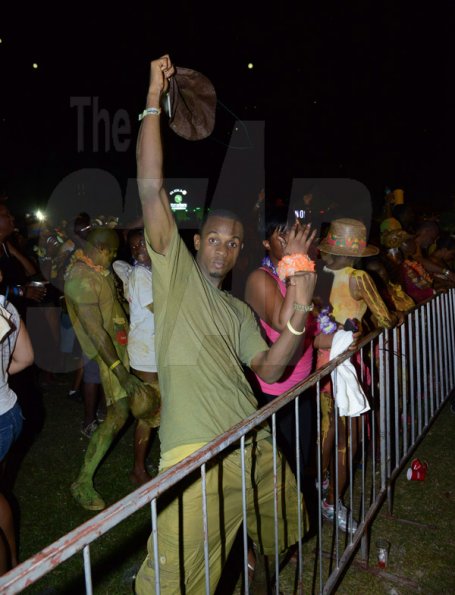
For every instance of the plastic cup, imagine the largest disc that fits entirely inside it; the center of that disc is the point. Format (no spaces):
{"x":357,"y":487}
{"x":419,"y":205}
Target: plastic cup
{"x":417,"y":471}
{"x":382,"y":548}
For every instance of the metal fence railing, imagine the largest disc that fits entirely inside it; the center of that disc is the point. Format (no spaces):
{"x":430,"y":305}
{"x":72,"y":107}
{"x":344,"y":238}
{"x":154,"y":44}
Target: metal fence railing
{"x":410,"y":374}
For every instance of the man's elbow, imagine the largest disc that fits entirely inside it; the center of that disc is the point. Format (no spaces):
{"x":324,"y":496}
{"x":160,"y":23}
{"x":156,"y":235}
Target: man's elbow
{"x":150,"y":189}
{"x":269,"y":373}
{"x":272,"y":378}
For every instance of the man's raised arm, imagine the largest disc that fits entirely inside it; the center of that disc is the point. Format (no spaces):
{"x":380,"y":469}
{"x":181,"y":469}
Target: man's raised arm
{"x":158,"y":218}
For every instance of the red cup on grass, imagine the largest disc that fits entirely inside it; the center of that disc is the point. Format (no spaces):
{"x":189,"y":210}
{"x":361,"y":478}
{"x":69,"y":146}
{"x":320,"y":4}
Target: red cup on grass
{"x":417,"y":471}
{"x":416,"y":464}
{"x":418,"y":475}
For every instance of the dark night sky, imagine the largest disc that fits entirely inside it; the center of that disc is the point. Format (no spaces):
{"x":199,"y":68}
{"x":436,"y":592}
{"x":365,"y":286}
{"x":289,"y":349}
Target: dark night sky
{"x":346,"y":90}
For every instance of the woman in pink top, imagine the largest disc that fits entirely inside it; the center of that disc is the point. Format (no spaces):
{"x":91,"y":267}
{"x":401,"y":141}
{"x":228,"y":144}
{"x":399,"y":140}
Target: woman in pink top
{"x":273,"y":302}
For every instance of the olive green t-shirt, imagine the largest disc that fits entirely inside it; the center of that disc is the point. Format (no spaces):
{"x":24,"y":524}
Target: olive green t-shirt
{"x":203,"y":338}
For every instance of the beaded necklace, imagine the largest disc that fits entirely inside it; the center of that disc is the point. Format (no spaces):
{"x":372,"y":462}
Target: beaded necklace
{"x":268,"y":264}
{"x":79,"y":256}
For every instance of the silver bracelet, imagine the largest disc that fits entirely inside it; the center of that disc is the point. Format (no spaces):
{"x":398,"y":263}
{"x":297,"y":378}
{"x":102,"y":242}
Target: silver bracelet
{"x":303,"y":307}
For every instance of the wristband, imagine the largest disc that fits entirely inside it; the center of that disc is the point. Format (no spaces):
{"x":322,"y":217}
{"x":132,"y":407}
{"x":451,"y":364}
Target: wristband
{"x":150,"y":111}
{"x":292,"y":329}
{"x":115,"y":364}
{"x":303,"y":307}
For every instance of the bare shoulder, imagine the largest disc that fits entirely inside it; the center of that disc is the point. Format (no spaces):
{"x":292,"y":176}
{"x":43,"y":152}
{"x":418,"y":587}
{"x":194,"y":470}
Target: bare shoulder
{"x":259,"y":278}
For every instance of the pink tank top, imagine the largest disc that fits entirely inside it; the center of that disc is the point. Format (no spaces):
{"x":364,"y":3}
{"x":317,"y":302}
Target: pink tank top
{"x":301,"y":365}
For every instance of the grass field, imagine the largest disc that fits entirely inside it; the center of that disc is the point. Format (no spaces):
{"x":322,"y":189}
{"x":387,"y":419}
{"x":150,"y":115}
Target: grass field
{"x":421,"y":530}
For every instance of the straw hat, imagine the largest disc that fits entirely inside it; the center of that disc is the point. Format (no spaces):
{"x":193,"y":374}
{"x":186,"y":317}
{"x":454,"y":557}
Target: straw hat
{"x":347,"y":237}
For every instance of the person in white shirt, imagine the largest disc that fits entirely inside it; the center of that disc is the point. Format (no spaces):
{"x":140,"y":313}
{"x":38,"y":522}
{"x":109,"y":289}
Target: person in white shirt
{"x":137,"y":283}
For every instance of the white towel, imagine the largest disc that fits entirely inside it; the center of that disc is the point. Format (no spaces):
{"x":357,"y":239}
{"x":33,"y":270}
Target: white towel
{"x":123,"y":270}
{"x":349,"y":394}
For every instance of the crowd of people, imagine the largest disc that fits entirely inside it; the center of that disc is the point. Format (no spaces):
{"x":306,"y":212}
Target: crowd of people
{"x":144,"y":324}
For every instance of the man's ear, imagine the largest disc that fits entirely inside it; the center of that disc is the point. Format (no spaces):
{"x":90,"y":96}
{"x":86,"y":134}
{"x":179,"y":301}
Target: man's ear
{"x":197,"y":241}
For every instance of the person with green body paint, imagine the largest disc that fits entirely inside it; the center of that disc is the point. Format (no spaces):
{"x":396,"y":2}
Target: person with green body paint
{"x":101,"y":325}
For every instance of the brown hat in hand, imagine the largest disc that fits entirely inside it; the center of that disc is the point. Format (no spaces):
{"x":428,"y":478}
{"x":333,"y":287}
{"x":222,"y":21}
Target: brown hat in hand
{"x":347,"y":237}
{"x":192,"y":104}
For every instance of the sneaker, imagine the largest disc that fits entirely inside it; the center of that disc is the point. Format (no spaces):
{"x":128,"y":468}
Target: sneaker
{"x":89,"y":430}
{"x":344,"y":519}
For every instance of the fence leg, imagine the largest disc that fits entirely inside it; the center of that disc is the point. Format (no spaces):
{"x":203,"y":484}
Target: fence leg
{"x":365,"y":546}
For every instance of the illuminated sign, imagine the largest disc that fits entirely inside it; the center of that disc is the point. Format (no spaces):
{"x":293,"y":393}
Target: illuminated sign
{"x":177,"y":199}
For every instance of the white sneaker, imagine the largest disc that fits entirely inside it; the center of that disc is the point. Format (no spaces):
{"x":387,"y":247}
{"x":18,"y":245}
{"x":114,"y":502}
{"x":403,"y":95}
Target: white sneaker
{"x":344,"y":517}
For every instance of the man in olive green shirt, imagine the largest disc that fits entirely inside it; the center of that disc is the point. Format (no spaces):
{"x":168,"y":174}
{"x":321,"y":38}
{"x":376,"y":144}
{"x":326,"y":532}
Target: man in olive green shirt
{"x":203,"y":339}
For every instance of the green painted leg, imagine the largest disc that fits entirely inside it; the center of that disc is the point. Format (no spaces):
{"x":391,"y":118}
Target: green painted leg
{"x":86,"y":495}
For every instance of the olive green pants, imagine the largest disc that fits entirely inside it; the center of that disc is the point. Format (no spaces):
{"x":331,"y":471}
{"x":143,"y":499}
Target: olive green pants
{"x":180,"y":523}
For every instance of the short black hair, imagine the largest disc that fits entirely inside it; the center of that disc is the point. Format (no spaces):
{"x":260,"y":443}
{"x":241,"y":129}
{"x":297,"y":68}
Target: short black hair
{"x":276,"y":217}
{"x":223,"y":213}
{"x":136,"y":231}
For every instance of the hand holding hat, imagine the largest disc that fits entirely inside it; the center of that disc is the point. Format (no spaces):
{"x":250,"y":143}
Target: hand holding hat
{"x":192,"y":98}
{"x":161,"y":70}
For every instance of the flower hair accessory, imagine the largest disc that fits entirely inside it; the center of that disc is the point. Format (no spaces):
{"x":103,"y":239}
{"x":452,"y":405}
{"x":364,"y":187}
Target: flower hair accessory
{"x":291,"y":264}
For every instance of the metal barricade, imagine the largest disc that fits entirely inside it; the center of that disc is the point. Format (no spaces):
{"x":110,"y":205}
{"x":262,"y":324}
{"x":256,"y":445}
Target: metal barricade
{"x":409,"y":375}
